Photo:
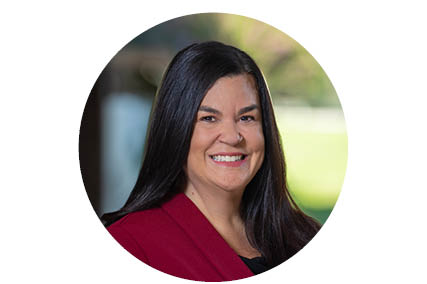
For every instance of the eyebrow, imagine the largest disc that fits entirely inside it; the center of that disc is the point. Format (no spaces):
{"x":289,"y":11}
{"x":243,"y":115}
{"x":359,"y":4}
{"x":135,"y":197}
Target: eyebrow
{"x":209,"y":109}
{"x":241,"y":111}
{"x":248,"y":109}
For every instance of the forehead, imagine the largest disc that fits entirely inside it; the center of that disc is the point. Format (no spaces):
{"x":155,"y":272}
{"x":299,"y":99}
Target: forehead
{"x":231,"y":90}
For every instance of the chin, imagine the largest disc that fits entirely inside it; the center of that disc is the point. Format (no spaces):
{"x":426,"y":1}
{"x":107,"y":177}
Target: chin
{"x":232,"y":185}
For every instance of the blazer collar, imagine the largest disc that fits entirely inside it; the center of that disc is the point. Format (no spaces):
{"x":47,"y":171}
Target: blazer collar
{"x":206,"y":238}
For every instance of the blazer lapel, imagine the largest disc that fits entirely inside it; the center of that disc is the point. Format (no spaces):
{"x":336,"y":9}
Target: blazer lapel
{"x":206,"y":238}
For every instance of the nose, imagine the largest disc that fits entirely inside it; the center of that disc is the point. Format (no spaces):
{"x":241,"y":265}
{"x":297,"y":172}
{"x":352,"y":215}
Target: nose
{"x":230,"y":134}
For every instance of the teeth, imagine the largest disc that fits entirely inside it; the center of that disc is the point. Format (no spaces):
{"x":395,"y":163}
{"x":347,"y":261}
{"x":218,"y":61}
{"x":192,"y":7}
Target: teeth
{"x":227,"y":158}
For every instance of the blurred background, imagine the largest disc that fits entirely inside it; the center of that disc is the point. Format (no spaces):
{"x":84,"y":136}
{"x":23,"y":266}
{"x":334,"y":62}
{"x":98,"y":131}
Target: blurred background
{"x":307,"y":109}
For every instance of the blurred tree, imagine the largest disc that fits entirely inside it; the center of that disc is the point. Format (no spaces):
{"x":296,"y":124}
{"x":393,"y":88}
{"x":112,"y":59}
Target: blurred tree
{"x":293,"y":75}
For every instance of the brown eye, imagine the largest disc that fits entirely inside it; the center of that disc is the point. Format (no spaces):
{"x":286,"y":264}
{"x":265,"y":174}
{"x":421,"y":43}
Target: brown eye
{"x":247,"y":118}
{"x":209,"y":118}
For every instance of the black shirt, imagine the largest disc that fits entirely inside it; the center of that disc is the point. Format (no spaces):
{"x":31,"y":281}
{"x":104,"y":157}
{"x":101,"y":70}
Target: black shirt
{"x":257,"y":264}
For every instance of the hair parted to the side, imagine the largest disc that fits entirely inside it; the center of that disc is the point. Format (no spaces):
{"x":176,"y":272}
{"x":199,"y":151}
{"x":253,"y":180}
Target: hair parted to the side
{"x":275,"y":226}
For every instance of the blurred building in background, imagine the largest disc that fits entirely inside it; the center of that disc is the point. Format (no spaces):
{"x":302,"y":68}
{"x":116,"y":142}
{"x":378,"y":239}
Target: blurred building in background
{"x":307,"y":109}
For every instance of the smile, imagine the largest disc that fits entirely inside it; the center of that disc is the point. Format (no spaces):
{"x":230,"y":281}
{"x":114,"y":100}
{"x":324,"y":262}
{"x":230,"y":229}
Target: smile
{"x":219,"y":158}
{"x":231,"y":160}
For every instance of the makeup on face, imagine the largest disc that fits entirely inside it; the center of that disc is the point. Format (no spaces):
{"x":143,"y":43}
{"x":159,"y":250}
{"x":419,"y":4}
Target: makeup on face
{"x":227,"y":146}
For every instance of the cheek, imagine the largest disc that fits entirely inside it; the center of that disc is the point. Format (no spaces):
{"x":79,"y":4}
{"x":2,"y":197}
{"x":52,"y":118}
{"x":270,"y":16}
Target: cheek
{"x":258,"y":146}
{"x":200,"y":142}
{"x":256,"y":140}
{"x":261,"y":149}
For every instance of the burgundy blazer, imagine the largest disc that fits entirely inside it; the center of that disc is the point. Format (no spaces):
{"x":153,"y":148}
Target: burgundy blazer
{"x":177,"y":239}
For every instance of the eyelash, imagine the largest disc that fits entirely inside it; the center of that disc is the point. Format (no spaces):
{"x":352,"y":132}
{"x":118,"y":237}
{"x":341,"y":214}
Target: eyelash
{"x":210,"y":118}
{"x":247,"y":118}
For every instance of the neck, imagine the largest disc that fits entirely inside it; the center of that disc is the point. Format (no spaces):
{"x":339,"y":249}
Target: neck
{"x":220,"y":207}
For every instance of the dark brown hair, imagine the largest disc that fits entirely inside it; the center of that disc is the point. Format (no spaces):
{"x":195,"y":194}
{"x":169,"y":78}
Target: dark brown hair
{"x":275,"y":226}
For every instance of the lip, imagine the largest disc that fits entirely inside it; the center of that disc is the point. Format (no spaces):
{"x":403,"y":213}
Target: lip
{"x":228,"y":154}
{"x":230,"y":164}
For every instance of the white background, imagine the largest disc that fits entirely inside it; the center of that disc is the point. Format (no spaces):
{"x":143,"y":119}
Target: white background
{"x":52,"y":53}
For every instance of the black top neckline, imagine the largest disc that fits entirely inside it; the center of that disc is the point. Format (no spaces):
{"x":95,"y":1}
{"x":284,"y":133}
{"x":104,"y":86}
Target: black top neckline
{"x":257,"y":264}
{"x":256,"y":257}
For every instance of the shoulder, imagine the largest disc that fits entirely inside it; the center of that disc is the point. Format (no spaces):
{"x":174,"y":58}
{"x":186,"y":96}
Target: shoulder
{"x":139,"y":230}
{"x":139,"y":222}
{"x":165,"y":231}
{"x":138,"y":217}
{"x":160,"y":218}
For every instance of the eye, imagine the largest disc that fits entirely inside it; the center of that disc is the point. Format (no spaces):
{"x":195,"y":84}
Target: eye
{"x":209,"y":118}
{"x":247,"y":118}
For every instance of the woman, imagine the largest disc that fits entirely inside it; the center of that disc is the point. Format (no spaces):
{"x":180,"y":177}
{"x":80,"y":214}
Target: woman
{"x":211,"y":201}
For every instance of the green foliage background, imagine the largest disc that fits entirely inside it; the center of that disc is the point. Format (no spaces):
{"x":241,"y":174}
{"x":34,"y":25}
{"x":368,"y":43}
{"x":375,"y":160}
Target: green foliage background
{"x":307,"y":108}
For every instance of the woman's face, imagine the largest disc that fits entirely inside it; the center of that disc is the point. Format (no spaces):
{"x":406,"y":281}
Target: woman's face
{"x":227,"y":146}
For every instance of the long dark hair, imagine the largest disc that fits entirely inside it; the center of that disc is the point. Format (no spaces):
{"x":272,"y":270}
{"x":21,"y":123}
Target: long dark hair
{"x":275,"y":226}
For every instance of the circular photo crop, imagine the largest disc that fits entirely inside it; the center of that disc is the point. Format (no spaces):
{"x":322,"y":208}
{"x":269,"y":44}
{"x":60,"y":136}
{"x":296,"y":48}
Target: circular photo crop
{"x":213,"y":147}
